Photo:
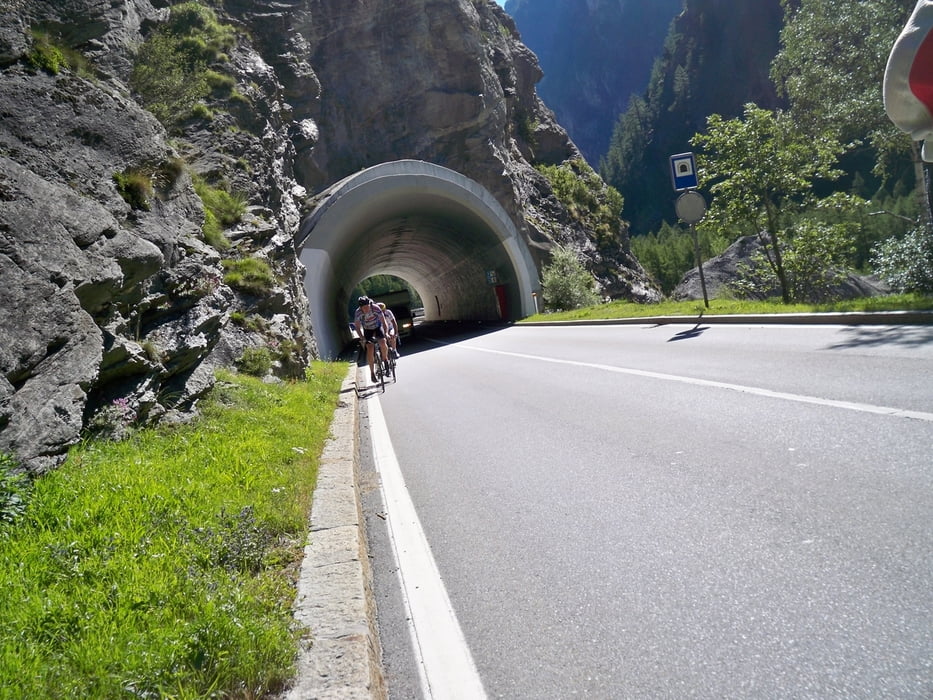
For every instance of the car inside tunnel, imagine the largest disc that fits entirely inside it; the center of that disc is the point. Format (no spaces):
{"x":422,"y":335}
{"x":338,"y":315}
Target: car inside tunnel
{"x":439,"y":231}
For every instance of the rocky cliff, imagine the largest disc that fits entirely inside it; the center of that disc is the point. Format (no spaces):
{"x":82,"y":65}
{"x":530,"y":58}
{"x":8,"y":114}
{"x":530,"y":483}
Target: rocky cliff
{"x":119,"y":297}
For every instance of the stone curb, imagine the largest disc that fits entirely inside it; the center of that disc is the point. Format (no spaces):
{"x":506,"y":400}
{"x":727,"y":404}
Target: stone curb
{"x":339,"y":656}
{"x":851,"y":318}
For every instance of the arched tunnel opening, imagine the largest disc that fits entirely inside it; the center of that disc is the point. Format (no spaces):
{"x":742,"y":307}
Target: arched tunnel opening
{"x":438,"y":230}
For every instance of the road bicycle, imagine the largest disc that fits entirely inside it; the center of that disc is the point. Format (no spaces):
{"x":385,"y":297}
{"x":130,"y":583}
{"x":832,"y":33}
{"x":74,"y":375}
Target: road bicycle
{"x":383,"y":370}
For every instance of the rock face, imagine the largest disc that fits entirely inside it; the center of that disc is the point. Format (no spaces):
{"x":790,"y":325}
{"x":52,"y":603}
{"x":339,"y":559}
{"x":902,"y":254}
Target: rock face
{"x":112,"y":306}
{"x":726,"y":268}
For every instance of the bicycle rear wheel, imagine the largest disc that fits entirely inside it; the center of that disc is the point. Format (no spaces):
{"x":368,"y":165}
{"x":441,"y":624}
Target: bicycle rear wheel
{"x":380,"y":373}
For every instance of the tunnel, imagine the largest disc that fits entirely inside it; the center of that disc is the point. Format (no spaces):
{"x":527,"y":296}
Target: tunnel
{"x":438,"y":230}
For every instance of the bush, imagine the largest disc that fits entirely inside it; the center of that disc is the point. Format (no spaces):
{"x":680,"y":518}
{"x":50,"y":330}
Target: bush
{"x":44,"y":56}
{"x":228,"y":208}
{"x":221,"y":210}
{"x":115,"y":421}
{"x":906,"y":264}
{"x":255,"y":361}
{"x":566,"y":284}
{"x":50,"y":54}
{"x":171,"y":69}
{"x":587,"y":199}
{"x":250,"y":275}
{"x":135,"y":186}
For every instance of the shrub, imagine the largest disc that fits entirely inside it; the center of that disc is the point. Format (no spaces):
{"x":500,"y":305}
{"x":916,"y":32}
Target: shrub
{"x":220,"y":84}
{"x":221,"y":210}
{"x":526,"y":130}
{"x":566,"y":284}
{"x":253,"y":322}
{"x":114,"y":422}
{"x":587,"y":198}
{"x":51,"y":55}
{"x":44,"y":55}
{"x":906,"y":263}
{"x":250,"y":275}
{"x":135,"y":186}
{"x":169,"y":84}
{"x":228,"y":208}
{"x":255,"y":361}
{"x":171,"y":69}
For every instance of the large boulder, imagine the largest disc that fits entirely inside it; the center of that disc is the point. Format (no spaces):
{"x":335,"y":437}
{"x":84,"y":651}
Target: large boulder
{"x":723,"y":270}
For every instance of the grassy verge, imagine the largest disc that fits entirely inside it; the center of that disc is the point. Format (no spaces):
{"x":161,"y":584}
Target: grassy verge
{"x":625,"y":309}
{"x":164,"y":565}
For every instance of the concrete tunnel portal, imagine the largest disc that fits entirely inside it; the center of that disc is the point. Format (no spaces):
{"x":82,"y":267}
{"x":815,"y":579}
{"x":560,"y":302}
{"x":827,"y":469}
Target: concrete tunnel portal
{"x":440,"y":231}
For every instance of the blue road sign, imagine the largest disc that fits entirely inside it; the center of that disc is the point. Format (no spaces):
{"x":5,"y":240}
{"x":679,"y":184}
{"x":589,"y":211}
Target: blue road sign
{"x":684,"y":172}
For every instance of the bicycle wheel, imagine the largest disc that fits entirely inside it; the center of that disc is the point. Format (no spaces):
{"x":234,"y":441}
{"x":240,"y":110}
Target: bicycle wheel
{"x":380,"y":373}
{"x":393,"y":365}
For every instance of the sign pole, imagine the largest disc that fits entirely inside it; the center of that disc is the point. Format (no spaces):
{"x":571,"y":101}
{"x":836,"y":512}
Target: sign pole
{"x":696,"y":250}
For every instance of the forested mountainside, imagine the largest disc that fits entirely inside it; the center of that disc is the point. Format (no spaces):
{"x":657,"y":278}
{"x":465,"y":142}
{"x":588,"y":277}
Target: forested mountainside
{"x":633,"y":80}
{"x":716,"y":58}
{"x":629,"y":99}
{"x":595,"y":55}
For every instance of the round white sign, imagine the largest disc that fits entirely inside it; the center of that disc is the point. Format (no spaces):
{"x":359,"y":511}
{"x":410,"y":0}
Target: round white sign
{"x":690,"y":207}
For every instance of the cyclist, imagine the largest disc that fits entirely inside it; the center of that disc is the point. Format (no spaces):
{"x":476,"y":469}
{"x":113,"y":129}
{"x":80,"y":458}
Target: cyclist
{"x":392,"y":340}
{"x":371,"y":325}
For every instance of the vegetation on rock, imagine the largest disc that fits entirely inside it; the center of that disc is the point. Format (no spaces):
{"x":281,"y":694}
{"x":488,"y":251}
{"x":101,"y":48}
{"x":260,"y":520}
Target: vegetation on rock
{"x":172,"y":68}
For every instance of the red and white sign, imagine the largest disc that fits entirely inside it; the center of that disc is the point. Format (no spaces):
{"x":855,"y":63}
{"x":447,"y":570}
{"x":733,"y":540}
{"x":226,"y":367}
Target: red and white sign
{"x":908,"y":77}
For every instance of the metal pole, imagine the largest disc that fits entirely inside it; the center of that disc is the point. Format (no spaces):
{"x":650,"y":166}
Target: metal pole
{"x":696,"y":250}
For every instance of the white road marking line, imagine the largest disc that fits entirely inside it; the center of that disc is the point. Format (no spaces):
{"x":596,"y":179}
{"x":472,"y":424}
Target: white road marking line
{"x":445,"y":662}
{"x":799,"y":398}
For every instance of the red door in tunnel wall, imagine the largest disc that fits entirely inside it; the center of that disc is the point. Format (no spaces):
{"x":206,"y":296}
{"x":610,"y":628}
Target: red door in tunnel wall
{"x":502,"y":301}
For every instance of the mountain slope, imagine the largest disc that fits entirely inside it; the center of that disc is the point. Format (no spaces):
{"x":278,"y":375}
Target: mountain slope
{"x":595,"y":54}
{"x":716,"y":58}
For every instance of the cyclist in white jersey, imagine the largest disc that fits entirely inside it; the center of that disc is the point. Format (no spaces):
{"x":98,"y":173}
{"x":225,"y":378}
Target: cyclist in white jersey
{"x":371,"y":325}
{"x":392,"y":340}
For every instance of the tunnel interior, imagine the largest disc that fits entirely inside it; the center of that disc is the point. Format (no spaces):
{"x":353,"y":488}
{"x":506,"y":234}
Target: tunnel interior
{"x":436,"y":229}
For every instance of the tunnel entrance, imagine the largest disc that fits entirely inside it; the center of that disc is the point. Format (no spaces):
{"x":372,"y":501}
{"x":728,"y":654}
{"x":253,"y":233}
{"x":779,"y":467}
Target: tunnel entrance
{"x":440,"y":231}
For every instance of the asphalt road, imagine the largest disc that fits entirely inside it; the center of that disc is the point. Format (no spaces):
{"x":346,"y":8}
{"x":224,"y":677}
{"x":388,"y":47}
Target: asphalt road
{"x":672,"y":512}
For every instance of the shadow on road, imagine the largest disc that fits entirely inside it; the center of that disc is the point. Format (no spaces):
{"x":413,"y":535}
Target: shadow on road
{"x":694,"y":332}
{"x":906,"y":336}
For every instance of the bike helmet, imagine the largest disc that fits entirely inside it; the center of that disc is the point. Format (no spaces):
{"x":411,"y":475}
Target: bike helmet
{"x":363,"y":301}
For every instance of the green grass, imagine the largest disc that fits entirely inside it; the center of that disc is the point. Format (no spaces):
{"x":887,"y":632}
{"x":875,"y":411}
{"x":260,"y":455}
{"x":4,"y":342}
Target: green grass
{"x":164,"y":565}
{"x":250,"y":275}
{"x":625,"y":309}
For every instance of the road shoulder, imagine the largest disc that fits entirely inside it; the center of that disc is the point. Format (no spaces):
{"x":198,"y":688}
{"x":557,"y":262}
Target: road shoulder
{"x":339,"y":656}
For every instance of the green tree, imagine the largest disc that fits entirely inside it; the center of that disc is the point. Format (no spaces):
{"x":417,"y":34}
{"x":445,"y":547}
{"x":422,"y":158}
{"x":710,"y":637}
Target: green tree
{"x":762,"y":171}
{"x":832,"y":60}
{"x":565,"y":282}
{"x":831,"y":68}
